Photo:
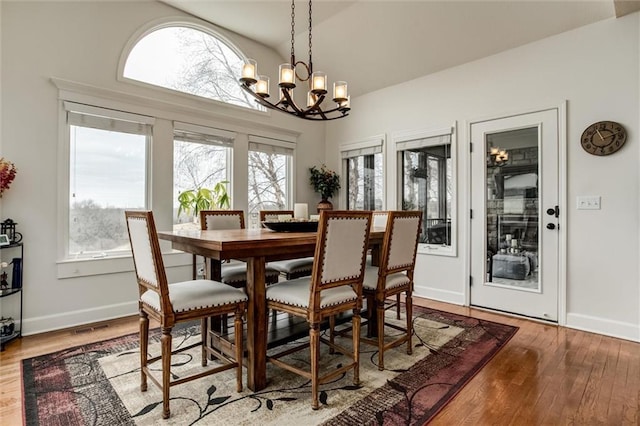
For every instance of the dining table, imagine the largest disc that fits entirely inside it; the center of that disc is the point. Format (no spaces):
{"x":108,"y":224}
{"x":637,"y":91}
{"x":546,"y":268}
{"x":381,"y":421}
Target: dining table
{"x":256,"y":247}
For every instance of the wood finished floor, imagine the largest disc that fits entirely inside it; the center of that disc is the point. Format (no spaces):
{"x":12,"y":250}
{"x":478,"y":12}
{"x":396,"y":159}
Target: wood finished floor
{"x":546,"y":375}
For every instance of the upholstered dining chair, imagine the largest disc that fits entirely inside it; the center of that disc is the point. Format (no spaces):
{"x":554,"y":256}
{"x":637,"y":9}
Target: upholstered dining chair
{"x":393,"y":276}
{"x":233,"y":273}
{"x":290,"y":268}
{"x":380,"y":221}
{"x":170,"y":304}
{"x":334,"y":286}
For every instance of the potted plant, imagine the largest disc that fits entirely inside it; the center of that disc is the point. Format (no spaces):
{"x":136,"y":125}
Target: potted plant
{"x":193,"y":200}
{"x":325,"y":182}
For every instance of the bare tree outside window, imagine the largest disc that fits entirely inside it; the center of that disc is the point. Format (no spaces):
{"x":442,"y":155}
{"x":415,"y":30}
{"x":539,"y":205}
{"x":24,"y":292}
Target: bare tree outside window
{"x":190,"y":61}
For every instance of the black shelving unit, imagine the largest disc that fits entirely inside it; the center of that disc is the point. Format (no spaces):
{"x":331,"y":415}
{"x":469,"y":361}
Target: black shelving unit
{"x":13,"y":288}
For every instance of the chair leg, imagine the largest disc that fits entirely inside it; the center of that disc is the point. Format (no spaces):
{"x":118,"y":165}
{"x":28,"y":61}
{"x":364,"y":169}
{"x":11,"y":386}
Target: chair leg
{"x":144,"y":345}
{"x":165,"y":342}
{"x":409,"y":310}
{"x":380,"y":313}
{"x":239,"y":348}
{"x":204,"y":336}
{"x":370,"y":313}
{"x":332,"y":334}
{"x":314,"y":337}
{"x":356,"y":346}
{"x":398,"y":306}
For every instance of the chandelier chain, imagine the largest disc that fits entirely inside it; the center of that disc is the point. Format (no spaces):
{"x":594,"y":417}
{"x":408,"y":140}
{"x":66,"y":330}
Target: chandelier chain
{"x":310,"y":61}
{"x":293,"y":29}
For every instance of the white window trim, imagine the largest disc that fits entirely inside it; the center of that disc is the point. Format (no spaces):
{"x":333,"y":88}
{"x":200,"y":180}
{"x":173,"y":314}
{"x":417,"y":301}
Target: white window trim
{"x":159,"y":109}
{"x":187,"y":22}
{"x":280,"y":146}
{"x":353,"y":149}
{"x":68,"y":108}
{"x":403,"y":140}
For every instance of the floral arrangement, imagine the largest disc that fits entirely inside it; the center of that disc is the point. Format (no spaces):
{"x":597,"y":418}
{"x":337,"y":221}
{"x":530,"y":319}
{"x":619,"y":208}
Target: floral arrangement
{"x":324,"y":181}
{"x":7,"y":174}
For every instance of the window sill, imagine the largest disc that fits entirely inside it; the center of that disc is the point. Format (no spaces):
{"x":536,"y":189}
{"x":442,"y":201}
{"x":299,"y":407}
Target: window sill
{"x":436,"y":250}
{"x":112,"y":265}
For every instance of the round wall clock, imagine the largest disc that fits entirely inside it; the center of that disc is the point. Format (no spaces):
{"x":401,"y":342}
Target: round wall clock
{"x":603,"y":138}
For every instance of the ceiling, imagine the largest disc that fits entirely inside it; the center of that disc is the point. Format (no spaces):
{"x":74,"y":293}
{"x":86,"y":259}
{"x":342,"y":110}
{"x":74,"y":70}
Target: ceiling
{"x":374,"y":44}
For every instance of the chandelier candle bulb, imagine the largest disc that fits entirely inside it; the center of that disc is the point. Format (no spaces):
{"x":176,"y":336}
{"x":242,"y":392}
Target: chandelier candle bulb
{"x":287,"y":76}
{"x":262,"y":87}
{"x":301,"y":211}
{"x":249,"y":71}
{"x":319,"y":83}
{"x":340,"y":91}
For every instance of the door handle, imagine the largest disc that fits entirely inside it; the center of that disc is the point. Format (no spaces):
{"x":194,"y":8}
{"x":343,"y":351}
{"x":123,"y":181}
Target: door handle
{"x":554,"y":211}
{"x":551,"y":226}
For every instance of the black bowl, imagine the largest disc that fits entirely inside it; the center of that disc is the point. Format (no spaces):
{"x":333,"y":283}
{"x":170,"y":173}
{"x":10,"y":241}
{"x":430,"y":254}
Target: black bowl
{"x":293,"y":226}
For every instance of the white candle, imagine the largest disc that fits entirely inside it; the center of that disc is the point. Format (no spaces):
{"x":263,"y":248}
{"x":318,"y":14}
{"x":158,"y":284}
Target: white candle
{"x":249,"y":69}
{"x":300,"y":211}
{"x":262,"y":87}
{"x":319,"y":82}
{"x":340,"y":91}
{"x":286,"y":74}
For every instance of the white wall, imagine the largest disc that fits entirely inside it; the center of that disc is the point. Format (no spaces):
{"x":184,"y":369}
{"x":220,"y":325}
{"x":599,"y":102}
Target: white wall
{"x":596,"y":70}
{"x":82,"y":42}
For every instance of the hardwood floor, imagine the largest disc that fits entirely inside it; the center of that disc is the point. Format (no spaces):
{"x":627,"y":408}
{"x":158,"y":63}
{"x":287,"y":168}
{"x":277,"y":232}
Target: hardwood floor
{"x":546,"y":375}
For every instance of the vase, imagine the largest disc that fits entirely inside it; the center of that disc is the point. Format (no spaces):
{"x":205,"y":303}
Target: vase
{"x":324,"y":204}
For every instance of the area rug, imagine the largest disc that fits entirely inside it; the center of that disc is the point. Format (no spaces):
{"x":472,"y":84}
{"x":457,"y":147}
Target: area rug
{"x":98,"y":383}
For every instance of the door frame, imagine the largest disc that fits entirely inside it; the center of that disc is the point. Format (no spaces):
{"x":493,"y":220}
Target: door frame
{"x":561,"y":110}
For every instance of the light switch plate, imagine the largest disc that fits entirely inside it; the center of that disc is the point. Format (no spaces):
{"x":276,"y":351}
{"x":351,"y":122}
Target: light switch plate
{"x":588,"y":202}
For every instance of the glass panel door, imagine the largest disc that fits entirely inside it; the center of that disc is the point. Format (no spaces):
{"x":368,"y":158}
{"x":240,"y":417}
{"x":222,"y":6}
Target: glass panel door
{"x":512,"y":208}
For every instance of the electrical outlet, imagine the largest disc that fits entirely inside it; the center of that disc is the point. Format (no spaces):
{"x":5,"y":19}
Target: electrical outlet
{"x":588,"y":202}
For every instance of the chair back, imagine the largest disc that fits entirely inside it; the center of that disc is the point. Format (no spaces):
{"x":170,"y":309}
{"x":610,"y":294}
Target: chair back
{"x":380,"y":218}
{"x":221,"y":219}
{"x":343,"y":237}
{"x":274,"y":215}
{"x":400,"y":242}
{"x":147,"y":258}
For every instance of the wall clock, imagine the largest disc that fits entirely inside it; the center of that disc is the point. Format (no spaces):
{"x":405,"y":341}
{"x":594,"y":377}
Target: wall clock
{"x":603,"y":138}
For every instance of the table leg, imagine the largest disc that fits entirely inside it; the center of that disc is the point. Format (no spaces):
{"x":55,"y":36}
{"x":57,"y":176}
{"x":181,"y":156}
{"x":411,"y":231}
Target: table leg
{"x":256,"y":325}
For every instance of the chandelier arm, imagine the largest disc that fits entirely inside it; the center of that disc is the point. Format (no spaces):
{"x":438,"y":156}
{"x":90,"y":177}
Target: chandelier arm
{"x":291,"y":102}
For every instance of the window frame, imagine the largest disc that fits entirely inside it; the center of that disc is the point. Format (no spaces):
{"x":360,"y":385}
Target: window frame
{"x":185,"y":22}
{"x":277,"y":146}
{"x":426,"y":138}
{"x":75,"y":108}
{"x":371,"y":145}
{"x":227,"y":140}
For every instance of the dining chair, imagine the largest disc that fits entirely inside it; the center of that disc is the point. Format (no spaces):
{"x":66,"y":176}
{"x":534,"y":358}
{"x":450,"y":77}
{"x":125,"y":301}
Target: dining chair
{"x":335,"y":286}
{"x":235,"y":272}
{"x":380,"y":221}
{"x":290,"y":268}
{"x":393,"y":276}
{"x":170,"y":304}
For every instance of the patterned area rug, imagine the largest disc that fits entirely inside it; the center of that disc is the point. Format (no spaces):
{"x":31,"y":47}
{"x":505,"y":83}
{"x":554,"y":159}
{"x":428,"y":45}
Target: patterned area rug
{"x":98,"y":383}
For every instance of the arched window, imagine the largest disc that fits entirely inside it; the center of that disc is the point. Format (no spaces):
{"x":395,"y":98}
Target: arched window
{"x":189,"y":60}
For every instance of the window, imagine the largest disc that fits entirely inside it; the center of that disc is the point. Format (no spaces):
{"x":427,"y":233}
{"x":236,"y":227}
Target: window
{"x":363,"y":166}
{"x":426,"y":183}
{"x":107,"y":175}
{"x":189,"y":60}
{"x":201,"y":159}
{"x":270,"y":165}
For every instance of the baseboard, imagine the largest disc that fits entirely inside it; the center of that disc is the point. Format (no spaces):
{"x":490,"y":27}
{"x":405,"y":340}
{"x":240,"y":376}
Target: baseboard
{"x":439,"y":295}
{"x":603,"y":326}
{"x":47,"y":323}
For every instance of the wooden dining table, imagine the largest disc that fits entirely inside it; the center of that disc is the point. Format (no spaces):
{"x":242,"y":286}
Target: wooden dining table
{"x":256,"y":247}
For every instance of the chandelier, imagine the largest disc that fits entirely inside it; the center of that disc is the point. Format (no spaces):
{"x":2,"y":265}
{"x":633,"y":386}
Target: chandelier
{"x":498,"y":157}
{"x":258,"y":85}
